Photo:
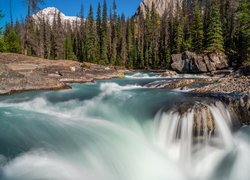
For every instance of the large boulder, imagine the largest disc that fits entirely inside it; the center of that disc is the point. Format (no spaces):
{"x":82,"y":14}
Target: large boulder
{"x":190,"y":62}
{"x":178,"y":63}
{"x":219,"y":60}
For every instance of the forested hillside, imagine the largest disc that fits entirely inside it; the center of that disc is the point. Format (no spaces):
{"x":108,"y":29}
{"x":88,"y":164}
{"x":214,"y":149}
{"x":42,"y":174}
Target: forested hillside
{"x":144,"y":41}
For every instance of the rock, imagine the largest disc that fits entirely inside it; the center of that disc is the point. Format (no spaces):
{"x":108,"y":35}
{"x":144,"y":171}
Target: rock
{"x":219,"y":60}
{"x":233,"y":107}
{"x":239,"y":104}
{"x":73,"y":69}
{"x":22,"y":73}
{"x":203,"y":119}
{"x":169,"y":73}
{"x":177,"y":63}
{"x":210,"y":66}
{"x":160,"y":5}
{"x":196,"y":63}
{"x":189,"y":62}
{"x":232,"y":83}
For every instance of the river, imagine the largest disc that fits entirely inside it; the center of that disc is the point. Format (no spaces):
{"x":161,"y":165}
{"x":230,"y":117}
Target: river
{"x":116,"y":130}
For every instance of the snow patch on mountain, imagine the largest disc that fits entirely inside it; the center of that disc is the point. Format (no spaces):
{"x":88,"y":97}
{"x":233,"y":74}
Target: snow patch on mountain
{"x":50,"y":12}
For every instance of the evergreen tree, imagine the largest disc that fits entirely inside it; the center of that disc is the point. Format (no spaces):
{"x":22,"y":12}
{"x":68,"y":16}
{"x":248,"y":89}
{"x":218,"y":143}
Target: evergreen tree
{"x":2,"y":45}
{"x":90,"y":37}
{"x":197,"y":33}
{"x":155,"y":23}
{"x":12,"y":41}
{"x":30,"y":40}
{"x":45,"y":37}
{"x":32,"y":7}
{"x":104,"y":38}
{"x":243,"y":32}
{"x":99,"y":31}
{"x":129,"y":46}
{"x":79,"y":38}
{"x":164,"y":41}
{"x":179,"y":32}
{"x":123,"y":42}
{"x":68,"y":49}
{"x":214,"y":36}
{"x":114,"y":34}
{"x":229,"y":22}
{"x":168,"y":58}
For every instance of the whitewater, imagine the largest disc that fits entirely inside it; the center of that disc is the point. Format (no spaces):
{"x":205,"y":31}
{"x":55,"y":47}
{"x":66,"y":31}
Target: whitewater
{"x":117,"y":129}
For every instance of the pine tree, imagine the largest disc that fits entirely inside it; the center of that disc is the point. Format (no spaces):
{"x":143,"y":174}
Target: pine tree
{"x":12,"y":41}
{"x":179,"y":33}
{"x":197,"y":33}
{"x":243,"y":32}
{"x":229,"y":21}
{"x":129,"y":46}
{"x":141,"y":26}
{"x":32,"y":7}
{"x":214,"y":36}
{"x":155,"y":23}
{"x":2,"y":44}
{"x":168,"y":58}
{"x":90,"y":37}
{"x":123,"y":42}
{"x":68,"y":49}
{"x":99,"y":31}
{"x":30,"y":41}
{"x":104,"y":38}
{"x":45,"y":37}
{"x":114,"y":34}
{"x":78,"y":37}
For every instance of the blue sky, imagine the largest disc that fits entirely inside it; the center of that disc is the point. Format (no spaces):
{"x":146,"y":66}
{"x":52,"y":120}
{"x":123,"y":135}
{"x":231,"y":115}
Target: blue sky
{"x":68,"y":7}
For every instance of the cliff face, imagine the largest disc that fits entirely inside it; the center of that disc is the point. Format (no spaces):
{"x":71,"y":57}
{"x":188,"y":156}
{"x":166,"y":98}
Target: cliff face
{"x":160,"y":5}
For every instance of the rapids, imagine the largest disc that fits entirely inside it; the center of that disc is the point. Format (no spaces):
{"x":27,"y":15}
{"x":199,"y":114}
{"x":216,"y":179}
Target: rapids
{"x":116,"y":130}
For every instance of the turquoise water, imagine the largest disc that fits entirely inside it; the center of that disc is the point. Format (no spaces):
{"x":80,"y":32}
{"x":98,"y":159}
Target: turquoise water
{"x":110,"y":130}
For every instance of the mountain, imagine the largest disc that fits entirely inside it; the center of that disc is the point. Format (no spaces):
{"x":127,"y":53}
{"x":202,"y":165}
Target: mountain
{"x":160,"y":5}
{"x":49,"y":13}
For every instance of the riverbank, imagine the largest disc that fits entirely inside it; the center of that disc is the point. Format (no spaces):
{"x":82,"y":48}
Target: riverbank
{"x":24,"y":73}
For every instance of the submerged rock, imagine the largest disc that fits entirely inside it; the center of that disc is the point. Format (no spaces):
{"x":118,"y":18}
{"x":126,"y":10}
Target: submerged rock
{"x":169,"y":73}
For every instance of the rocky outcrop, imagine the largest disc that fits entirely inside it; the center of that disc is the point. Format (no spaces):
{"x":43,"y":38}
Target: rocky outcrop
{"x":189,"y":62}
{"x":160,"y":6}
{"x":202,"y":117}
{"x":22,"y":73}
{"x":232,"y":89}
{"x":238,"y":103}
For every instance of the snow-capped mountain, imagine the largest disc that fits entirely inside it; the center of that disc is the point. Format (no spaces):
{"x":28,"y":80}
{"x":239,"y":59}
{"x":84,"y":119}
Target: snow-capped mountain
{"x":49,"y":13}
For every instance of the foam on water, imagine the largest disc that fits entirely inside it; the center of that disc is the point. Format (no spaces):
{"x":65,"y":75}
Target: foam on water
{"x":95,"y":139}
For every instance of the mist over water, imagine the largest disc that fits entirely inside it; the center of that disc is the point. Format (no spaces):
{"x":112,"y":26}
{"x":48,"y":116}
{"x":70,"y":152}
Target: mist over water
{"x":116,"y":130}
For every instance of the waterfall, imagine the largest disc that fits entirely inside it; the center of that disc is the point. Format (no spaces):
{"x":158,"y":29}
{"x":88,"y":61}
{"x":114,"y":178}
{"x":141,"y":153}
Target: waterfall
{"x":187,"y":143}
